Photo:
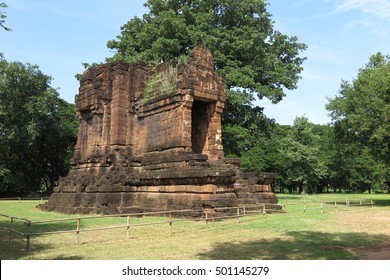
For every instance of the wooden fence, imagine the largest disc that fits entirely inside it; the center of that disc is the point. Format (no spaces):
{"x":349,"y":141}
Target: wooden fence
{"x":25,"y":198}
{"x":174,"y":216}
{"x":333,"y":205}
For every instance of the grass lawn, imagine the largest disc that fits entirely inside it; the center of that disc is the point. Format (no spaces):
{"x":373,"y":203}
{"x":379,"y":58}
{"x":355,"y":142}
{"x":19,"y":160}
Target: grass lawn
{"x":341,"y":234}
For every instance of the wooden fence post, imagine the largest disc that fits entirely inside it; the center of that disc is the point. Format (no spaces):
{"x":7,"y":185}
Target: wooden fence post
{"x":264,"y":210}
{"x":244,"y":210}
{"x":335,"y":206}
{"x":170,"y":222}
{"x":28,"y":235}
{"x":128,"y":227}
{"x":238,"y":214}
{"x":10,"y":231}
{"x":78,"y":230}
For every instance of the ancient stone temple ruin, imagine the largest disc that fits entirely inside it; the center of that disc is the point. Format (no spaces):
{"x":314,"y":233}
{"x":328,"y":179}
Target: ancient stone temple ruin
{"x":150,"y":139}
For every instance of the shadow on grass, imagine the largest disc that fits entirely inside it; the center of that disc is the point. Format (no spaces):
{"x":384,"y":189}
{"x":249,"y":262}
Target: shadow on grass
{"x":304,"y":245}
{"x":16,"y":250}
{"x":21,"y":226}
{"x":382,"y":202}
{"x":16,"y":247}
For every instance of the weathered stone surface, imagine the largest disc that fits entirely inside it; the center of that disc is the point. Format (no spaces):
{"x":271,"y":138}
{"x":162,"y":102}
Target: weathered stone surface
{"x":150,"y":139}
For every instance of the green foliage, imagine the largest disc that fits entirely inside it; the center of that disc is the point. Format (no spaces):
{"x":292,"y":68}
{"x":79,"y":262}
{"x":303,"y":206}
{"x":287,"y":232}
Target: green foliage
{"x":248,"y":134}
{"x":246,"y":131}
{"x":3,"y":16}
{"x":255,"y":159}
{"x":38,"y":130}
{"x":361,"y":138}
{"x":302,"y":167}
{"x":264,"y":155}
{"x":161,"y":83}
{"x":5,"y":176}
{"x":314,"y":158}
{"x":248,"y":52}
{"x":352,"y":166}
{"x":362,"y":107}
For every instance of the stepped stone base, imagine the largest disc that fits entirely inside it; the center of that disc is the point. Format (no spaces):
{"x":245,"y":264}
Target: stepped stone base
{"x":122,"y":188}
{"x":140,"y":201}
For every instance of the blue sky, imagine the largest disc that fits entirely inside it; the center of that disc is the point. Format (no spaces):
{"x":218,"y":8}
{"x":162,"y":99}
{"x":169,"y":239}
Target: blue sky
{"x":341,"y":35}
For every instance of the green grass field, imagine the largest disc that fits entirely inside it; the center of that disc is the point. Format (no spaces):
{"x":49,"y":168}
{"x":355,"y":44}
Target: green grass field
{"x":296,"y":234}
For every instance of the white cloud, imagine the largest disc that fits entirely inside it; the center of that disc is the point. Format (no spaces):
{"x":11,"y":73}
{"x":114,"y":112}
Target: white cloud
{"x":374,"y":28}
{"x":379,"y":8}
{"x":323,"y":54}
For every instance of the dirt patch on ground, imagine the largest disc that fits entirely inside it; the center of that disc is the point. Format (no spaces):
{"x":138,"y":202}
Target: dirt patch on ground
{"x":386,"y":219}
{"x":372,"y":252}
{"x":374,"y":221}
{"x":380,"y":252}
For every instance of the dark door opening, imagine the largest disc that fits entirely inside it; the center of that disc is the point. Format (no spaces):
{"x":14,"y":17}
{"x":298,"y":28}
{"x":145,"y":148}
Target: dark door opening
{"x":200,"y":125}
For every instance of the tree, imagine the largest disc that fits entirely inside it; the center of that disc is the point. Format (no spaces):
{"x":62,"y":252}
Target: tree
{"x":362,"y":107}
{"x":302,"y":167}
{"x":37,"y":128}
{"x":3,"y":16}
{"x":352,"y":166}
{"x":248,"y":52}
{"x":243,"y":125}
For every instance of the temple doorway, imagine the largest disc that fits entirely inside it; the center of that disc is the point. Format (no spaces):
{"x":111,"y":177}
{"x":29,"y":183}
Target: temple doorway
{"x":200,"y":126}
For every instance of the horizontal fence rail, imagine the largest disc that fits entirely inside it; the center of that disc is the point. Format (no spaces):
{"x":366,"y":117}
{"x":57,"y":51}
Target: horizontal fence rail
{"x":206,"y":215}
{"x":20,"y":199}
{"x":334,"y":205}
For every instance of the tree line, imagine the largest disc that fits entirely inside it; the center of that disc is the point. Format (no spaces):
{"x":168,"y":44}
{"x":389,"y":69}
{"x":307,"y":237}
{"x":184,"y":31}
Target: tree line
{"x":350,"y":154}
{"x":312,"y":158}
{"x":38,"y":129}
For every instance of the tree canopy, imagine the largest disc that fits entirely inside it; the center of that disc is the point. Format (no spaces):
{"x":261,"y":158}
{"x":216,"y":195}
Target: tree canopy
{"x":248,"y":52}
{"x":361,"y":111}
{"x":37,"y":130}
{"x":303,"y":166}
